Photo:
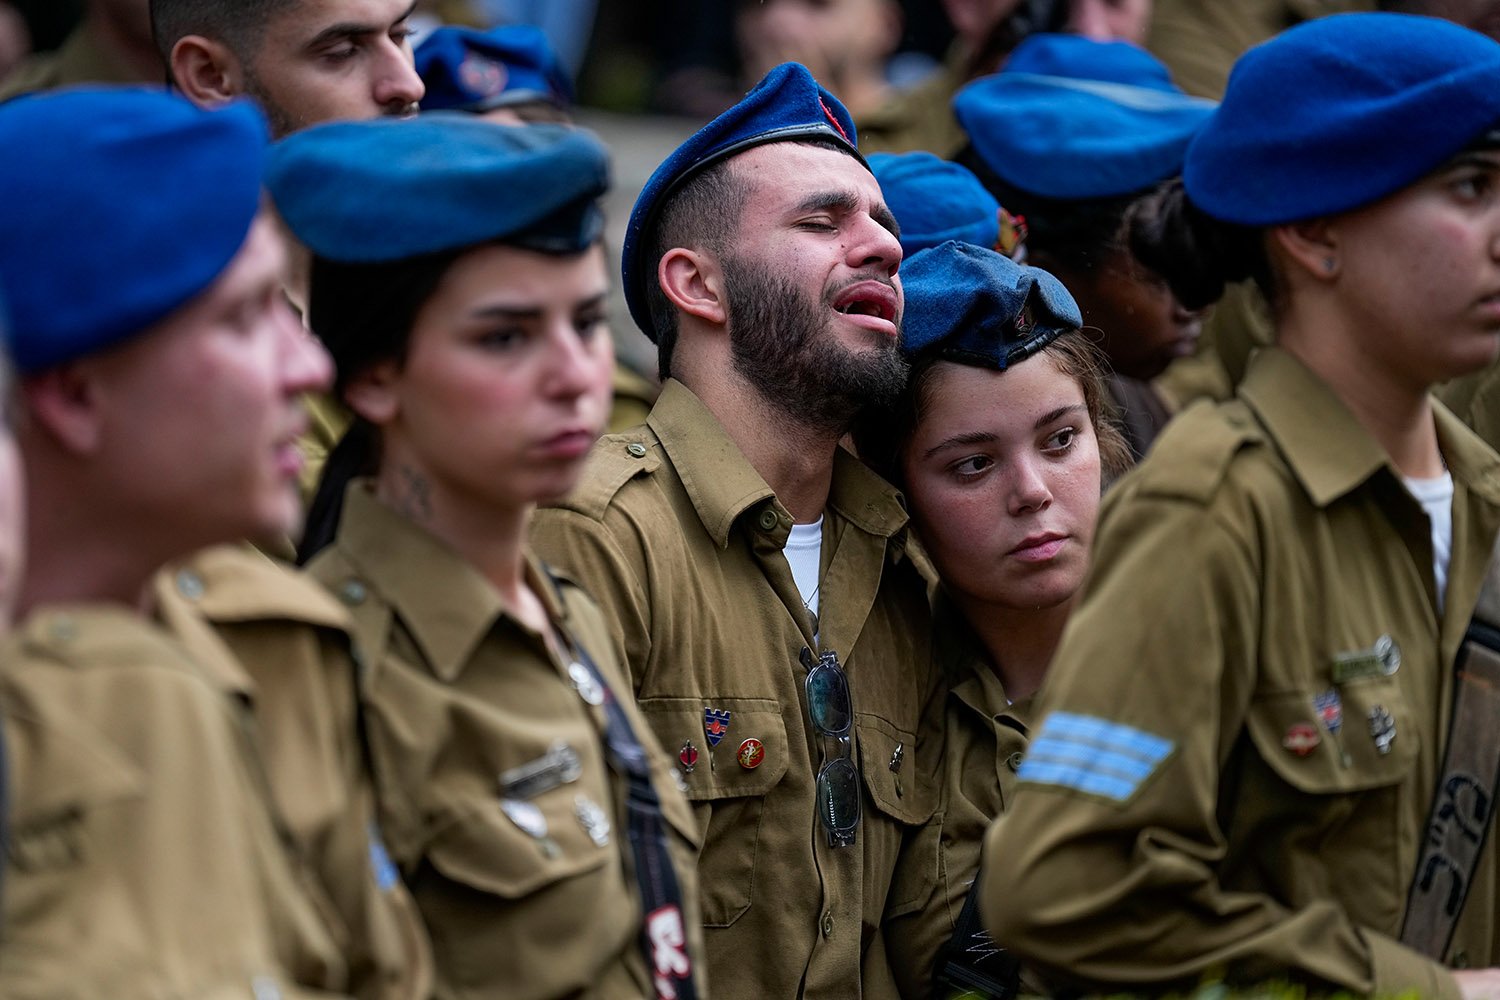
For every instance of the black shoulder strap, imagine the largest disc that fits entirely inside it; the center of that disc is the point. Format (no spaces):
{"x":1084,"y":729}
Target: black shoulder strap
{"x":663,"y":930}
{"x":971,"y":965}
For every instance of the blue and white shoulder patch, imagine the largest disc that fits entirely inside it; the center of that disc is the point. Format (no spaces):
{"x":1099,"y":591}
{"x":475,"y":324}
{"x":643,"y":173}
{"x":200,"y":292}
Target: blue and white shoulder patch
{"x":1092,"y":755}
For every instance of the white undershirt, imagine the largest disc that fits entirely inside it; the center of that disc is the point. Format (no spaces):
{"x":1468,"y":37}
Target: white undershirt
{"x":804,"y":552}
{"x":1436,"y":498}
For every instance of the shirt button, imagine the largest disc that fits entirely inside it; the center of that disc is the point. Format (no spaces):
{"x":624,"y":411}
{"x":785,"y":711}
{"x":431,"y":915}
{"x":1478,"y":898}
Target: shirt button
{"x":828,"y":924}
{"x":1013,"y":762}
{"x":1460,"y":959}
{"x":636,"y":449}
{"x":768,"y":519}
{"x":189,"y":584}
{"x":353,"y":592}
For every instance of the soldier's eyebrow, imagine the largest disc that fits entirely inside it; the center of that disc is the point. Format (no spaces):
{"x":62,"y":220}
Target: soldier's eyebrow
{"x":847,"y":202}
{"x":968,"y":438}
{"x":501,"y":310}
{"x":356,"y":29}
{"x":1058,"y":414}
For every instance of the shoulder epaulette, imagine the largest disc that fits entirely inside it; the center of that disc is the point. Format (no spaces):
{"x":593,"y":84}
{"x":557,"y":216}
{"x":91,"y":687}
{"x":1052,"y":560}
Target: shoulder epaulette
{"x":615,"y":460}
{"x":1193,"y":453}
{"x":238,"y":584}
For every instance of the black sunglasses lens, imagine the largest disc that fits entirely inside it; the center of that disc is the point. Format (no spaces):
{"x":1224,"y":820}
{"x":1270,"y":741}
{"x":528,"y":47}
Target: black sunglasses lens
{"x":828,"y":700}
{"x":838,"y":798}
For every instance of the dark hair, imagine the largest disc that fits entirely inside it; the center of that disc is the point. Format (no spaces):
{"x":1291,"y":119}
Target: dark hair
{"x":364,"y":314}
{"x":239,"y":24}
{"x":1197,"y":254}
{"x":705,"y":212}
{"x":882,"y":437}
{"x":1079,"y":234}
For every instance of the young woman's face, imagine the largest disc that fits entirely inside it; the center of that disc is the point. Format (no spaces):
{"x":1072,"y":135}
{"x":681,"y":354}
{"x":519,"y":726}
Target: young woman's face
{"x":1003,"y":478}
{"x":506,"y":381}
{"x":1419,"y":272}
{"x":1144,"y":327}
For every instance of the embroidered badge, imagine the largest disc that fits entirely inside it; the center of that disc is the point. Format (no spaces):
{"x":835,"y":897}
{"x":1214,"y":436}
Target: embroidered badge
{"x":715,"y":725}
{"x":1092,"y":755}
{"x":752,"y":752}
{"x":480,"y":76}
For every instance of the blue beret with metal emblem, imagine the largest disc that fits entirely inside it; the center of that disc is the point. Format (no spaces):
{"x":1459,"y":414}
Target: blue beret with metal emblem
{"x":1068,"y":117}
{"x":978,"y":307}
{"x":121,"y":205}
{"x":787,"y":104}
{"x":1339,"y":112}
{"x":469,"y":70}
{"x":935,"y":200}
{"x":385,"y":190}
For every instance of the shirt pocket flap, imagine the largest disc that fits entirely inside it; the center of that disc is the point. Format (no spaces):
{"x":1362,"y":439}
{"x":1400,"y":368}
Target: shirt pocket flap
{"x":887,"y":761}
{"x":484,"y":848}
{"x":1328,"y":750}
{"x":717,"y":773}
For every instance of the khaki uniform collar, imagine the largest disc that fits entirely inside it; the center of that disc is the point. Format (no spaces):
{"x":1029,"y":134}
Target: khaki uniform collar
{"x":444,"y":602}
{"x":973,"y":682}
{"x":82,"y":59}
{"x":722,"y":484}
{"x":1329,"y":451}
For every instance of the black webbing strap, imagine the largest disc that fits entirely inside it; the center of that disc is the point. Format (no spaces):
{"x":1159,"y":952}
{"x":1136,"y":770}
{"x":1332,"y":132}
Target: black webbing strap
{"x":663,"y":930}
{"x":1463,"y":804}
{"x":971,"y":964}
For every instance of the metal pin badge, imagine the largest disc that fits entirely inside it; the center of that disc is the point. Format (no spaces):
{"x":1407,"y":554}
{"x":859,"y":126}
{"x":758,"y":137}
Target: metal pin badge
{"x":593,"y":819}
{"x":1382,"y":729}
{"x":526,"y":816}
{"x":752,"y":754}
{"x":558,"y":766}
{"x":585,"y":683}
{"x":1381,"y":659}
{"x":1301,"y":738}
{"x":715,"y":725}
{"x":897,"y":756}
{"x":688,"y":756}
{"x":1330,"y":709}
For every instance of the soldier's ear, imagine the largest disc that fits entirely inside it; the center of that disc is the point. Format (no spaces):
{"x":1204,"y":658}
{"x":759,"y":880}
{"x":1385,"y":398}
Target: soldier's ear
{"x":63,"y":405}
{"x":693,"y":281}
{"x":373,"y":393}
{"x":1311,"y":246}
{"x":206,"y":71}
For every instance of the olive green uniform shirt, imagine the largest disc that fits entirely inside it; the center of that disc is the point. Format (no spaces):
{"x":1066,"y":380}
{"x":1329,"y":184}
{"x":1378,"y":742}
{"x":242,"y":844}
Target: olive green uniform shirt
{"x":143,"y":862}
{"x":1227,"y":776}
{"x":985,"y":738}
{"x":681,"y":541}
{"x":526,"y":884}
{"x":80,"y":59}
{"x":283,"y":643}
{"x":1475,"y":399}
{"x":920,"y":118}
{"x":1199,"y":40}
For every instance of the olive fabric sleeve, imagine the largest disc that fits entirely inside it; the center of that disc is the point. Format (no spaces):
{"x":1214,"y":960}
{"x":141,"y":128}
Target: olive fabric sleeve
{"x":1107,"y":868}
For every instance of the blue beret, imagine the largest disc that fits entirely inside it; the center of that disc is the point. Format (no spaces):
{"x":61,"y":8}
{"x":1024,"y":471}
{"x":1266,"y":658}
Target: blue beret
{"x":468,"y":70}
{"x":935,"y":201}
{"x":121,"y":204}
{"x":1339,"y":112}
{"x":978,"y":307}
{"x":1068,"y":117}
{"x":384,"y":190}
{"x":787,"y":104}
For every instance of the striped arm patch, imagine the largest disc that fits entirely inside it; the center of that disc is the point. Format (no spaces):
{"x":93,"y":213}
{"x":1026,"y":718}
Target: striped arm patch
{"x":1092,"y":755}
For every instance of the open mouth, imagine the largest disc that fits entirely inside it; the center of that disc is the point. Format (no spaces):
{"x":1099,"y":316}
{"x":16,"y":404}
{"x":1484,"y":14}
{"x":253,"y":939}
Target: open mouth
{"x":868,"y":298}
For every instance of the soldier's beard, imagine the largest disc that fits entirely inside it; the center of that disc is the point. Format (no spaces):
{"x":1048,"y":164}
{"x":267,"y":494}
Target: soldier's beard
{"x":784,"y":346}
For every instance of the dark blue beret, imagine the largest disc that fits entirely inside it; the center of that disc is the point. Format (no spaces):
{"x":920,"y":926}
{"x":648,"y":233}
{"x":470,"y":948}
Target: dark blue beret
{"x":121,"y":204}
{"x":384,"y":190}
{"x":1068,"y":117}
{"x":468,"y":70}
{"x":787,"y":104}
{"x":935,"y":201}
{"x":1339,"y":112}
{"x":978,"y":307}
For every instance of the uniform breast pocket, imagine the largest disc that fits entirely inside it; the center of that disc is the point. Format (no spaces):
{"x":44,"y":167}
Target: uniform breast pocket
{"x":900,"y":804}
{"x":727,"y":785}
{"x":1337,"y":740}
